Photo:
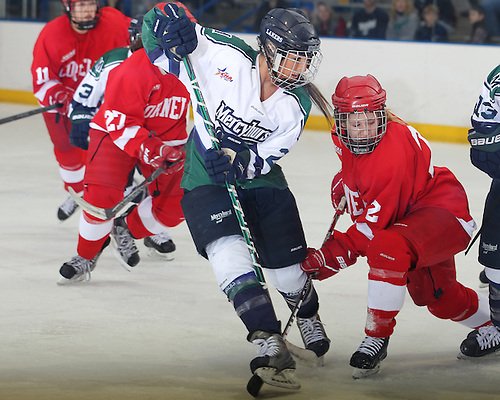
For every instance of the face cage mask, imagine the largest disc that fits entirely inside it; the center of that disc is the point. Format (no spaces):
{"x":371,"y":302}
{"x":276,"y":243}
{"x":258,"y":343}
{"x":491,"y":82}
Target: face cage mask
{"x":292,"y":69}
{"x":83,"y":25}
{"x":362,"y":131}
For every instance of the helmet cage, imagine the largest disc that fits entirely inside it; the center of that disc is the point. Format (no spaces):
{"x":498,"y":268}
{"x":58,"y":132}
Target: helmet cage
{"x":82,"y":25}
{"x":360,"y":131}
{"x":290,"y":69}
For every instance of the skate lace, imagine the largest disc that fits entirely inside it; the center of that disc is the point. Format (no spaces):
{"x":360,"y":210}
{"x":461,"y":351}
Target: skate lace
{"x":161,"y":238}
{"x":371,"y":345}
{"x":82,"y":266}
{"x":125,"y":242}
{"x":268,"y":347}
{"x":488,"y":337}
{"x":312,"y":329}
{"x":69,"y":206}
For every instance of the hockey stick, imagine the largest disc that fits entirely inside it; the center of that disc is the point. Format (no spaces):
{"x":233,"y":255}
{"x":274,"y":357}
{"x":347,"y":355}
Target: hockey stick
{"x":109,"y":213}
{"x":29,"y":113}
{"x":209,"y":125}
{"x":307,"y":357}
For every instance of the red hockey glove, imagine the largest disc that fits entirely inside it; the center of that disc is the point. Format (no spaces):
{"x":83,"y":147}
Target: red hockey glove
{"x":60,"y":94}
{"x":327,"y":261}
{"x":337,"y":190}
{"x":155,"y":153}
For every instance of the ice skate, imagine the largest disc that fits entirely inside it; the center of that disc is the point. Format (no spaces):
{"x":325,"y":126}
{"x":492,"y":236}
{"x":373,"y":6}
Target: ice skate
{"x":78,"y":268}
{"x":67,"y":209}
{"x":160,"y":246}
{"x":366,"y":360}
{"x":314,"y":337}
{"x":483,"y":280}
{"x":481,"y":342}
{"x":274,"y":364}
{"x":123,"y":244}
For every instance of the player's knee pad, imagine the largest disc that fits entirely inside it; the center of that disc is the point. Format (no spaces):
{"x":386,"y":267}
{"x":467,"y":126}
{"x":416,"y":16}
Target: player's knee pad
{"x":229,"y":258}
{"x":456,"y":302}
{"x":389,"y":257}
{"x":288,"y":280}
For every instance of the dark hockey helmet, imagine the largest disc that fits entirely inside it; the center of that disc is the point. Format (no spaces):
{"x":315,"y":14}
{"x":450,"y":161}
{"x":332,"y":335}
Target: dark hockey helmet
{"x":359,"y":113}
{"x":135,"y":28}
{"x":76,"y":15}
{"x":291,"y":47}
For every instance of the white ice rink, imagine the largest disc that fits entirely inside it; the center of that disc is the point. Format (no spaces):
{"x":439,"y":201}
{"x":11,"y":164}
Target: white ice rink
{"x":164,"y":331}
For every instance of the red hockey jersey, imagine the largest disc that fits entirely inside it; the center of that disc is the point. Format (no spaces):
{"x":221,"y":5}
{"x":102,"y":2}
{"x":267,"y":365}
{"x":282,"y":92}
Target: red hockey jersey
{"x":398,"y":177}
{"x":62,"y":55}
{"x":141,"y":98}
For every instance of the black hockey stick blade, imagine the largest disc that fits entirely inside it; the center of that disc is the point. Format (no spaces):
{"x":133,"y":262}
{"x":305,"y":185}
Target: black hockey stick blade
{"x":29,"y":113}
{"x":254,"y":385}
{"x":109,"y":213}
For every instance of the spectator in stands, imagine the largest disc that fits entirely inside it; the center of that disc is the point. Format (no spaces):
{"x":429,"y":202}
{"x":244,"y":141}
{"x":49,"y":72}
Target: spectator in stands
{"x":431,"y":29}
{"x":491,"y":16}
{"x":265,"y":6}
{"x":369,"y":22}
{"x":403,"y":21}
{"x":327,"y":23}
{"x":447,"y":13}
{"x":479,"y":31}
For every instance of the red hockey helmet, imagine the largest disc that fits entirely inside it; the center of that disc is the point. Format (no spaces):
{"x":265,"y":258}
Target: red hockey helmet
{"x":78,"y":14}
{"x":359,"y":113}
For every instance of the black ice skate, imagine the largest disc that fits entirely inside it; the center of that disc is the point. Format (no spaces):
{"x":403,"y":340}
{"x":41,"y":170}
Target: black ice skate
{"x":274,"y":364}
{"x":160,"y":246}
{"x":78,"y":268}
{"x":366,"y":360}
{"x":314,"y":338}
{"x":481,"y":342}
{"x":67,"y":209}
{"x":123,"y":244}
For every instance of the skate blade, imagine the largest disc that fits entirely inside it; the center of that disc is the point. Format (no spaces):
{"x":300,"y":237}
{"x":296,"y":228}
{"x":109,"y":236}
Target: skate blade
{"x":160,"y":256}
{"x":116,"y":253}
{"x":304,"y":357}
{"x":64,"y":281}
{"x":495,"y":354}
{"x":359,"y":373}
{"x":285,"y":379}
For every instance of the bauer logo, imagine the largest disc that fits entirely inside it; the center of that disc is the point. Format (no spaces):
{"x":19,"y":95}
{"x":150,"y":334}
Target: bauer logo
{"x":485,"y":141}
{"x":220,"y":216}
{"x":487,"y":248}
{"x":274,"y":35}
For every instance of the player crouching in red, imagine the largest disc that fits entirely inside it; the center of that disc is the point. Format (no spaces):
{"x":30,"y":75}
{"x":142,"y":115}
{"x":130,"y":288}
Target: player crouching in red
{"x":142,"y":121}
{"x":410,"y":219}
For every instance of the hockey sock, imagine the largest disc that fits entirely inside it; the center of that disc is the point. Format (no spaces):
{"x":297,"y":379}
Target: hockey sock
{"x":252,"y":304}
{"x":495,"y":303}
{"x":310,"y":304}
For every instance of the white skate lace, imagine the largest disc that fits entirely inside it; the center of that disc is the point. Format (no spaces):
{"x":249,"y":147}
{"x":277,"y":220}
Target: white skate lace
{"x":82,"y":266}
{"x":311,"y":329}
{"x":161,"y":238}
{"x":371,"y":345}
{"x":488,"y":337}
{"x":125,"y":242}
{"x":69,"y":206}
{"x":268,"y":347}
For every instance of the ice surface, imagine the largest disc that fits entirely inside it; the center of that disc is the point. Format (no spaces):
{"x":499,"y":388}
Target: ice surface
{"x":164,"y":331}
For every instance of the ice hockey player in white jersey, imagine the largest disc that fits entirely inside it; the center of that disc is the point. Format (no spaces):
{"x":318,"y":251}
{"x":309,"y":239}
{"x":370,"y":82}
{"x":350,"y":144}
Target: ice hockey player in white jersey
{"x":259,"y":102}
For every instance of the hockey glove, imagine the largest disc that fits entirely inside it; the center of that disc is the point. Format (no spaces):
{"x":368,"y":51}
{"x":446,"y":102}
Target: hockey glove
{"x":60,"y":94}
{"x":337,"y":190}
{"x":327,"y":261}
{"x":156,"y":153}
{"x":218,"y":164}
{"x":485,"y":149}
{"x":80,"y":126}
{"x":176,"y":33}
{"x":239,"y":153}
